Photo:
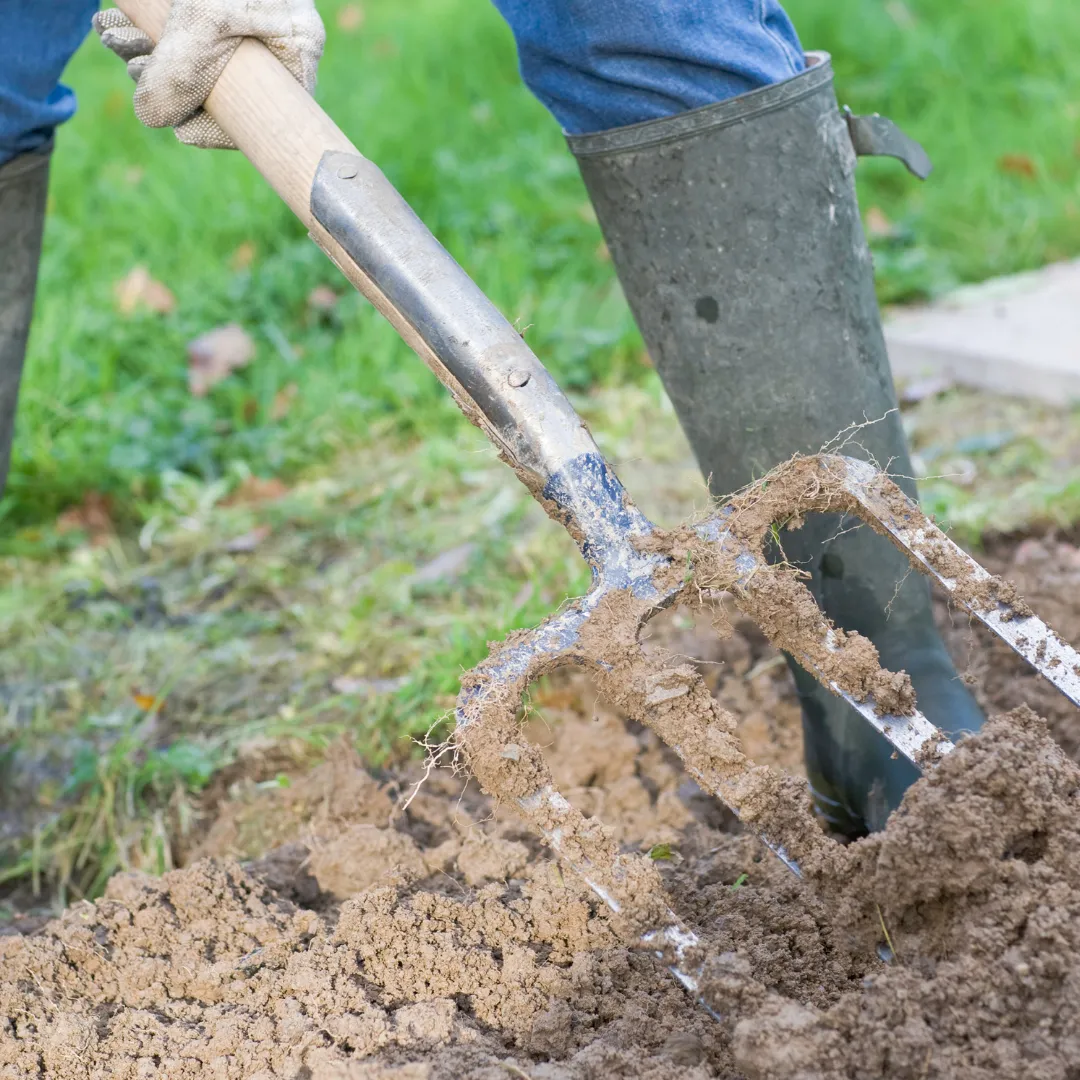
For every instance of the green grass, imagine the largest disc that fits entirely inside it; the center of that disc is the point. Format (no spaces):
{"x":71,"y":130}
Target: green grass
{"x":134,"y":670}
{"x":995,"y":465}
{"x":105,"y":404}
{"x":240,"y":650}
{"x":975,"y":81}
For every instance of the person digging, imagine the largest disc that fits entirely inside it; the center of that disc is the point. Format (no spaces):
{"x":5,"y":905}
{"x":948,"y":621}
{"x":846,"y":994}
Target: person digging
{"x":721,"y":170}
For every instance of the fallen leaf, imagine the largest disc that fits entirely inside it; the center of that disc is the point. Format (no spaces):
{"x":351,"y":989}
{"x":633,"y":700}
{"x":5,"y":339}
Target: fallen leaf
{"x":134,"y":174}
{"x":46,"y":795}
{"x":447,"y":564}
{"x":878,"y":226}
{"x":248,"y":541}
{"x":1029,"y":551}
{"x":250,"y":409}
{"x":92,"y":516}
{"x":1017,"y":165}
{"x":213,"y":356}
{"x":243,"y":256}
{"x":350,"y":18}
{"x":602,"y":252}
{"x":138,"y":289}
{"x":256,"y":489}
{"x":283,"y":400}
{"x":117,"y":102}
{"x":348,"y":684}
{"x":322,"y":298}
{"x":921,"y":389}
{"x":144,"y":701}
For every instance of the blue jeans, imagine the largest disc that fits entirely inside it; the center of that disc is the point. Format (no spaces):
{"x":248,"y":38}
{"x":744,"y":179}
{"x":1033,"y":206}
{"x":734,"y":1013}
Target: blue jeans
{"x":599,"y":64}
{"x":40,"y":38}
{"x":595,"y":64}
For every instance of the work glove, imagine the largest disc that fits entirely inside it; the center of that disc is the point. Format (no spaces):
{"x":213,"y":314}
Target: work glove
{"x":174,"y":78}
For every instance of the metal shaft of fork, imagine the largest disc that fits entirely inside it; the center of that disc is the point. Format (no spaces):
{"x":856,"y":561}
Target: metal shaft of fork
{"x":481,"y":352}
{"x":535,"y":422}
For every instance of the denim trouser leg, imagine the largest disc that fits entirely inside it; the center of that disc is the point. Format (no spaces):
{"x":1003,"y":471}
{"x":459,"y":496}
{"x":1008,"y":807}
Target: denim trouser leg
{"x":594,"y":63}
{"x":39,"y":39}
{"x":599,"y":64}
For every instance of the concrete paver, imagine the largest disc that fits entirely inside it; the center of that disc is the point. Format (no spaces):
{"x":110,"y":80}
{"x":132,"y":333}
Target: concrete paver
{"x":1016,"y":335}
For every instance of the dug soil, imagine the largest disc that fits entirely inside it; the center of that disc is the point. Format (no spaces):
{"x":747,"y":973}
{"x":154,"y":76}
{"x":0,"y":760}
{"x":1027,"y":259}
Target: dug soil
{"x":319,"y":930}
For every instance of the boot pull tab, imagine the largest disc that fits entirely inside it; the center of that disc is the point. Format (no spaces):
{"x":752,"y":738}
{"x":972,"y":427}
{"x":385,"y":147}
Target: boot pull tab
{"x":878,"y":136}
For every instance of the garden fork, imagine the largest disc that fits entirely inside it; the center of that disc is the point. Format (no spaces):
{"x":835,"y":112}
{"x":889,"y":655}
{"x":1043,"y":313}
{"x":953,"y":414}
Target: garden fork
{"x":357,"y":217}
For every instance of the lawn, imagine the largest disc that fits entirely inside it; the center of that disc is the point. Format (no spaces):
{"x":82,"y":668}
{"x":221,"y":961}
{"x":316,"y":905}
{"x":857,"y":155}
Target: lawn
{"x":320,"y":545}
{"x":990,"y":88}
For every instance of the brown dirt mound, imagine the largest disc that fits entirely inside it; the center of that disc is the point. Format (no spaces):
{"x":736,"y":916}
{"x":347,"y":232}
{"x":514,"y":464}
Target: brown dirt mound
{"x":444,"y":943}
{"x":318,"y":933}
{"x":977,"y":882}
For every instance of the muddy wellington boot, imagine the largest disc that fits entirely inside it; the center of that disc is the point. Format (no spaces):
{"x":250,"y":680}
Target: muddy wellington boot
{"x":736,"y":235}
{"x":23,"y":185}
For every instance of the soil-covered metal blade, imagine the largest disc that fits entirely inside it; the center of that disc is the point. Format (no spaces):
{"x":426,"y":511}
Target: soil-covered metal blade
{"x":991,"y":600}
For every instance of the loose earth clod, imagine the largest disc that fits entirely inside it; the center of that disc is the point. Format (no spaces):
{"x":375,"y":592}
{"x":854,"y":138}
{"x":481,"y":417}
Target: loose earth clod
{"x":454,"y":947}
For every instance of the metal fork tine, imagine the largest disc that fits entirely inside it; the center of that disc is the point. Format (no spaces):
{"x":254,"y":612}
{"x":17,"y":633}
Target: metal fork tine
{"x":993,"y":602}
{"x":638,"y":574}
{"x":914,"y":736}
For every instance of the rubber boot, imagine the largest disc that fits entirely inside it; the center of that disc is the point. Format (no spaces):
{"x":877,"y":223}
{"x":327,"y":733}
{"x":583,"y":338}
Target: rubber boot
{"x":24,"y":183}
{"x":736,"y":235}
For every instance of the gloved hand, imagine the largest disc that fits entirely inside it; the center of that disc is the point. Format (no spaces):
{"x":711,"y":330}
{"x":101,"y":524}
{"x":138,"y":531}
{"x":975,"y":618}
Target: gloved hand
{"x":175,"y":77}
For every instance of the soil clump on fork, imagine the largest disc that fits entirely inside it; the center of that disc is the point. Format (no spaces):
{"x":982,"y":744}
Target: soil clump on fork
{"x":316,"y":932}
